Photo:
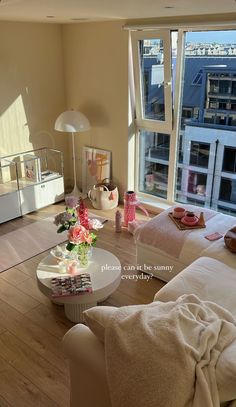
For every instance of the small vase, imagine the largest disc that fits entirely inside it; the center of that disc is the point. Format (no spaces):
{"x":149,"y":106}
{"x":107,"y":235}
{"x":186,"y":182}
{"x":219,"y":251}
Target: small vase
{"x":84,"y":255}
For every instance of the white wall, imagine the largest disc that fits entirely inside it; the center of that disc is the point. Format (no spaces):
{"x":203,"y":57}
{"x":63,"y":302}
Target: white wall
{"x":96,"y":72}
{"x":32,"y":87}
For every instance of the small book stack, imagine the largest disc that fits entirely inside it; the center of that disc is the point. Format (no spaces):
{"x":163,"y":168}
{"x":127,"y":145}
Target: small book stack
{"x":71,"y":285}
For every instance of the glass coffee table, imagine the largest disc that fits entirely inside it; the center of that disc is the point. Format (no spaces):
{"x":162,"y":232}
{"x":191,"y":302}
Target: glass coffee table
{"x":105,"y":271}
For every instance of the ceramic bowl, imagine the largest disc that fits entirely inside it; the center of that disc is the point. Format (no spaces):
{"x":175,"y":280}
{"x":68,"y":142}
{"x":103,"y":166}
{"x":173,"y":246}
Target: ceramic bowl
{"x":190,"y":221}
{"x":178,"y":212}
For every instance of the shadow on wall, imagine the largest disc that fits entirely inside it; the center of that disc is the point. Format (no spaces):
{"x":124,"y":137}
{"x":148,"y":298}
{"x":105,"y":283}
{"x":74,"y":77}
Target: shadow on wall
{"x":97,"y":115}
{"x":31,"y":86}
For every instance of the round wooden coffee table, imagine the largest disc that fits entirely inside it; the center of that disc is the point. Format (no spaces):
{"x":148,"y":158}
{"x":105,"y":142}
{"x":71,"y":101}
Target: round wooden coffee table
{"x":105,"y":271}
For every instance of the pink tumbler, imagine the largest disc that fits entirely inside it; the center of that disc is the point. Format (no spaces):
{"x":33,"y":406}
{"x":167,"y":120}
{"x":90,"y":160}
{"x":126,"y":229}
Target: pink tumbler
{"x":130,"y":204}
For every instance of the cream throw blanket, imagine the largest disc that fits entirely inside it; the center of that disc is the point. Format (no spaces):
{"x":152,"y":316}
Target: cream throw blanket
{"x":165,"y":354}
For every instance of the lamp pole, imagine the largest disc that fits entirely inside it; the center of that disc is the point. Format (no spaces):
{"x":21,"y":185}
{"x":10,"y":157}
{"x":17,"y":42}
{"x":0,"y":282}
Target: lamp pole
{"x":72,"y":121}
{"x":76,"y":192}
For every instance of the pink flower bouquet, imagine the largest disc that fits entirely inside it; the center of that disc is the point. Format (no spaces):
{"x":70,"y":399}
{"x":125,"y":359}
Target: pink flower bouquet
{"x":80,"y":242}
{"x":79,"y":235}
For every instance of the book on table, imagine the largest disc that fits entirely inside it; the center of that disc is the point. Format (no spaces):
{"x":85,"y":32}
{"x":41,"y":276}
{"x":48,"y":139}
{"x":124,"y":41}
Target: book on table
{"x":71,"y":285}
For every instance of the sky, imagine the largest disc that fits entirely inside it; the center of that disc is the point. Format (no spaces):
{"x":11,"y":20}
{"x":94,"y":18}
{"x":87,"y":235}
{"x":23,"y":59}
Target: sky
{"x":222,"y":37}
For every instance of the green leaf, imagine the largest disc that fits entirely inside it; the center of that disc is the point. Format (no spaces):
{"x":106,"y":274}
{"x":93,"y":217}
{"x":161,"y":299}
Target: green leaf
{"x":70,"y":246}
{"x":61,"y":229}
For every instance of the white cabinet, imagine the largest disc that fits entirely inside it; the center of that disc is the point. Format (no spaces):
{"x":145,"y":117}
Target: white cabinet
{"x":37,"y":196}
{"x":9,"y":206}
{"x":29,"y":181}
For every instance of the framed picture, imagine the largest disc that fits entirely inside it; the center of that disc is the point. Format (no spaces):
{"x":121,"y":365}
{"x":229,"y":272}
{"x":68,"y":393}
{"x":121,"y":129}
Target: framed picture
{"x":96,"y":167}
{"x":32,"y":168}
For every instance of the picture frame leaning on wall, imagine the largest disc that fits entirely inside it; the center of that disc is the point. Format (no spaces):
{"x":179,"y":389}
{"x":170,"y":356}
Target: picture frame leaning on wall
{"x":96,"y":167}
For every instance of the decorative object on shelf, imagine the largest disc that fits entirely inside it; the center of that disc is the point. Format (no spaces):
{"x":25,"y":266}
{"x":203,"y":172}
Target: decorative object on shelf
{"x":32,"y":168}
{"x":72,"y":121}
{"x":80,"y":242}
{"x":104,"y":195}
{"x":118,"y":221}
{"x":96,"y":167}
{"x":130,"y":205}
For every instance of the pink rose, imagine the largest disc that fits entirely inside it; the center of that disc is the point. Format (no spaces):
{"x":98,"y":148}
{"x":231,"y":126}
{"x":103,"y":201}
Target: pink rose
{"x":76,"y":234}
{"x":89,"y":238}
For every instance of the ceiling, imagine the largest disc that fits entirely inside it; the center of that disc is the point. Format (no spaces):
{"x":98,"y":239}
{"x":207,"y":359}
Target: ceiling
{"x":68,"y":11}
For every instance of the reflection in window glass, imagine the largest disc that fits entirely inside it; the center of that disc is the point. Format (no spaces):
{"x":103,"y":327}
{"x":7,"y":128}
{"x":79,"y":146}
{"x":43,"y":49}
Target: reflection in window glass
{"x":154,"y":163}
{"x":152,"y":71}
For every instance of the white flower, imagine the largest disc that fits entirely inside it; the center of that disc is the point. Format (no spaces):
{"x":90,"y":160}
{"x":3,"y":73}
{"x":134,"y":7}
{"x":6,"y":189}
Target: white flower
{"x":95,"y":224}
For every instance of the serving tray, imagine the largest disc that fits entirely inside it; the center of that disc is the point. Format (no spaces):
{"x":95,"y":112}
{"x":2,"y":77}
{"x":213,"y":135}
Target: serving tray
{"x":181,"y":226}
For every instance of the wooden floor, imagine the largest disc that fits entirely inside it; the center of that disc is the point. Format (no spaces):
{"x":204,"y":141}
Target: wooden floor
{"x":33,"y":369}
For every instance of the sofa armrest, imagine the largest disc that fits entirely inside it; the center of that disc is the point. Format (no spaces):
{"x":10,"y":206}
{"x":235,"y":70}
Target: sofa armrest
{"x":87,"y":368}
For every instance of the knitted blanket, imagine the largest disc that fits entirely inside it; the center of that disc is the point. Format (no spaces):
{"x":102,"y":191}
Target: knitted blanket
{"x":165,"y":354}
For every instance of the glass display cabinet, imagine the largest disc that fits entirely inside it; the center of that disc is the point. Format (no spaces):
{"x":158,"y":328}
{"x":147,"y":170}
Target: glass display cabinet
{"x":9,"y":191}
{"x":36,"y":177}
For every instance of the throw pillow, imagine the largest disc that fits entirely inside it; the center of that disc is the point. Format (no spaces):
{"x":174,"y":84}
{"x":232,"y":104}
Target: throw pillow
{"x":97,"y":319}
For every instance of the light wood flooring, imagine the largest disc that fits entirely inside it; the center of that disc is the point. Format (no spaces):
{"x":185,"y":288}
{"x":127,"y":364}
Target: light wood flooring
{"x":33,"y":369}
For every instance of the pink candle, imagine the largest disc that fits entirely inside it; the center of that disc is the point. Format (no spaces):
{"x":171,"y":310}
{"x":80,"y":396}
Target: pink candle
{"x":72,"y":267}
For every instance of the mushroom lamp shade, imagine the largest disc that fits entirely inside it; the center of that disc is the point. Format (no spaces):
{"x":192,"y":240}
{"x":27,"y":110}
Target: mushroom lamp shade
{"x":72,"y":122}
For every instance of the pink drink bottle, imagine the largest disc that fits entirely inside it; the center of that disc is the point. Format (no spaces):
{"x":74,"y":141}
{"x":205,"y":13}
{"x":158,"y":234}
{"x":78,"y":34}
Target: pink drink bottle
{"x":130,"y":204}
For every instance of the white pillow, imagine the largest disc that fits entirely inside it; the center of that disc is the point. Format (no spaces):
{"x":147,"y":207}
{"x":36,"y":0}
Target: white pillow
{"x":97,"y":319}
{"x":226,"y":373}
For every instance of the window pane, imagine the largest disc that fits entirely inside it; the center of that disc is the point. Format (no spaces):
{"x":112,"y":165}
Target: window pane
{"x":207,"y":140}
{"x":154,"y":163}
{"x":199,"y":154}
{"x":229,"y":162}
{"x":228,"y":190}
{"x":152,"y":72}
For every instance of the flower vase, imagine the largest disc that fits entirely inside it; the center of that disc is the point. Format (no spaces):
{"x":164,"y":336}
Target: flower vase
{"x":83,"y":255}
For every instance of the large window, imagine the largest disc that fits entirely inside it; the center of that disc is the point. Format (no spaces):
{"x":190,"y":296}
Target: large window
{"x":186,"y":146}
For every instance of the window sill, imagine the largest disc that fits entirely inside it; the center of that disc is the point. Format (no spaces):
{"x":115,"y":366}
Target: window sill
{"x":154,"y":205}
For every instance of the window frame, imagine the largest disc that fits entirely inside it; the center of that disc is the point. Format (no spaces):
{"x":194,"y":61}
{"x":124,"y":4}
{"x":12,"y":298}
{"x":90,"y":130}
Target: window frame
{"x":166,"y":125}
{"x":152,"y":125}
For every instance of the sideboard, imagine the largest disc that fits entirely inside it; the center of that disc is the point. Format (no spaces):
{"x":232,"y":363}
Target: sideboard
{"x":29,"y":181}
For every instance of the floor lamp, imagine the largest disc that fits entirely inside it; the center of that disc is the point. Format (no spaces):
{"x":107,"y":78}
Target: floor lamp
{"x":72,"y":122}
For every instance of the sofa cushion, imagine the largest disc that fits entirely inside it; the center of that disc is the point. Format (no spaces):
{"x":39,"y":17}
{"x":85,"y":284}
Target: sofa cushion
{"x":97,"y":319}
{"x":209,"y":279}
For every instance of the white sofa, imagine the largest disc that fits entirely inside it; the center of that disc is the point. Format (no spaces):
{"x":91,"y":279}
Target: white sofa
{"x":157,"y":239}
{"x":209,"y":279}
